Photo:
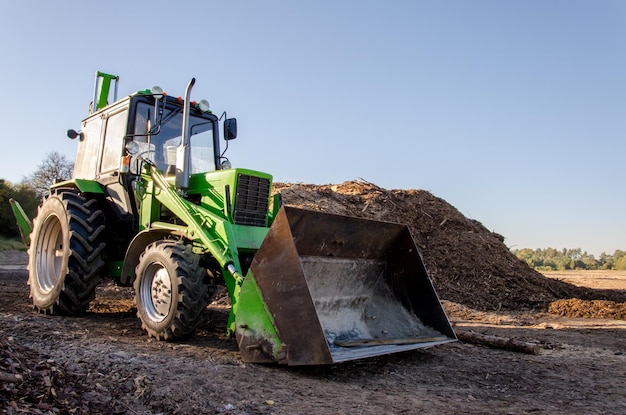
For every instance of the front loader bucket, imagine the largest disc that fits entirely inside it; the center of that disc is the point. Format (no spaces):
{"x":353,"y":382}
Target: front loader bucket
{"x":327,"y":288}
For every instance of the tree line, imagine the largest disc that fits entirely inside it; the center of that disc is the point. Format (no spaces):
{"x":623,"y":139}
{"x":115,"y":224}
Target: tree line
{"x":29,"y":192}
{"x":551,"y":259}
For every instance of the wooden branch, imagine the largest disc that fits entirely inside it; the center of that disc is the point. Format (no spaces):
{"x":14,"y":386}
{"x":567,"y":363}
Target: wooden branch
{"x":498,"y":342}
{"x":10,"y":377}
{"x":366,"y":205}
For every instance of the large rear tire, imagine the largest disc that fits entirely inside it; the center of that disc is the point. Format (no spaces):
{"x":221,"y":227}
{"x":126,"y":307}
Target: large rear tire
{"x":170,"y":290}
{"x":65,"y":254}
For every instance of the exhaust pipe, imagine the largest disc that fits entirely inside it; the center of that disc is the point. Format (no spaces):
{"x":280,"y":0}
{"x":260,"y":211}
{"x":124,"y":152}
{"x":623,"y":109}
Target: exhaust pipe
{"x":183,"y":162}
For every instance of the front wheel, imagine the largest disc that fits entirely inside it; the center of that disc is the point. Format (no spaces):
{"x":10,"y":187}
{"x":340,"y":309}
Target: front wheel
{"x":170,"y":291}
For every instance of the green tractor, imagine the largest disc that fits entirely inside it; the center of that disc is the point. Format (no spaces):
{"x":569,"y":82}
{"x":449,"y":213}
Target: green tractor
{"x":156,"y":205}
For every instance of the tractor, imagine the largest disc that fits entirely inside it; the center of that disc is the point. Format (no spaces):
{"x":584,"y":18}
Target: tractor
{"x":155,"y":204}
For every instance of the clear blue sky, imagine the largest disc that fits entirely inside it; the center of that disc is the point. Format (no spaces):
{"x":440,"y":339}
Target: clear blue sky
{"x":512,"y":111}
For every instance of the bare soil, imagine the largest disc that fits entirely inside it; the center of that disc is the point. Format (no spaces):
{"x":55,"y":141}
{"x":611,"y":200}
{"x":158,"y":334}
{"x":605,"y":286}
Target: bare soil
{"x":103,"y":363}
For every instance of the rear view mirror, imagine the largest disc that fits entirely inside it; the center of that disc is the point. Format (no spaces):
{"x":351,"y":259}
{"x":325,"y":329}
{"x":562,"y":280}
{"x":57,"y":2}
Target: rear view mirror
{"x":230,"y":128}
{"x":73,"y":134}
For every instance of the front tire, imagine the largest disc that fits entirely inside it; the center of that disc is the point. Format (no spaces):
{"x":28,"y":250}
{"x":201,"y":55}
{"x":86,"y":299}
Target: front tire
{"x":65,"y":254}
{"x":170,"y":290}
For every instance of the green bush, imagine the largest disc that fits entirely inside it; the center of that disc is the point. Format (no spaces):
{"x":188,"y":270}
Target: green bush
{"x":26,"y":197}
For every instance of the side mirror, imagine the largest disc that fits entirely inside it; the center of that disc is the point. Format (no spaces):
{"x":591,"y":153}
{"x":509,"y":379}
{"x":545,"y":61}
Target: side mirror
{"x":73,"y":134}
{"x":230,"y":128}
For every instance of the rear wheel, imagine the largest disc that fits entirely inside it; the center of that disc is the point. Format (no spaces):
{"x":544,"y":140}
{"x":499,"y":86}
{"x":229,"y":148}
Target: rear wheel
{"x":65,"y":254}
{"x":170,"y":290}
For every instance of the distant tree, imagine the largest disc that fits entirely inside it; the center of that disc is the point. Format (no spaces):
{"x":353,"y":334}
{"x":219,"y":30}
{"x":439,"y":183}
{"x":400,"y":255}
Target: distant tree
{"x":54,"y":168}
{"x":606,"y":261}
{"x":589,"y":261}
{"x":620,"y":260}
{"x":567,"y":259}
{"x":526,"y":255}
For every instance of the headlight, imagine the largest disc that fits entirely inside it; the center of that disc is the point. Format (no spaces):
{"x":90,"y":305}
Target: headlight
{"x":132,"y":147}
{"x":226,"y":165}
{"x":203,"y":105}
{"x":157,"y":92}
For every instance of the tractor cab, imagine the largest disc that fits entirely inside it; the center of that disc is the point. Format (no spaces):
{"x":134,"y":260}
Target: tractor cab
{"x":147,"y":125}
{"x":157,"y":137}
{"x":178,"y":137}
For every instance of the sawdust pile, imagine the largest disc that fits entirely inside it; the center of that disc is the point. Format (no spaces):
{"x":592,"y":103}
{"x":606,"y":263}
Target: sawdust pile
{"x":468,"y":263}
{"x":575,"y":307}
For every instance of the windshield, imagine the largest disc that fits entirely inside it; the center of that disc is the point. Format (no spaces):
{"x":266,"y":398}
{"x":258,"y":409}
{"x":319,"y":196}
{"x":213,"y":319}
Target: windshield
{"x":159,"y":143}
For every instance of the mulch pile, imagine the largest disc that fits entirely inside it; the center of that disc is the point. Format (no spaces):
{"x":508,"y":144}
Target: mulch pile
{"x":468,"y":263}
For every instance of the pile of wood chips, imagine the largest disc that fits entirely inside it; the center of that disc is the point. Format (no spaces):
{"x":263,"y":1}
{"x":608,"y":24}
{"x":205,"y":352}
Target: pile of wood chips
{"x":32,"y":383}
{"x":468,"y":263}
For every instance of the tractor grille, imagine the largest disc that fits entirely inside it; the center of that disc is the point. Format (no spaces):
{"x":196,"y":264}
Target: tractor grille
{"x":251,"y":200}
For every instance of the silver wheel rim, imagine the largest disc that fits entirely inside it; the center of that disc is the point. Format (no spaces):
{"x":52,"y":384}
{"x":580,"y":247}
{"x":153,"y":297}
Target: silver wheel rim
{"x":156,"y":292}
{"x":49,"y":254}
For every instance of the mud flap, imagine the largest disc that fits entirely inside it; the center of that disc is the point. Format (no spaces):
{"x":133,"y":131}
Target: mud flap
{"x":329,"y":288}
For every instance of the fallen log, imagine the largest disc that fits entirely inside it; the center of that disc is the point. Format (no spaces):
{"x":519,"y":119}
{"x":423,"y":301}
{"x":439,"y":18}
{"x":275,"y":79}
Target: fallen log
{"x":498,"y":342}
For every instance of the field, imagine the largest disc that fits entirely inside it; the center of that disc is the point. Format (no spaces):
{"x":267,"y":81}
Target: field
{"x":610,"y":280}
{"x":103,"y":363}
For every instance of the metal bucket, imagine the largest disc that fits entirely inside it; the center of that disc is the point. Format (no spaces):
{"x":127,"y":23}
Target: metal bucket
{"x":327,"y":288}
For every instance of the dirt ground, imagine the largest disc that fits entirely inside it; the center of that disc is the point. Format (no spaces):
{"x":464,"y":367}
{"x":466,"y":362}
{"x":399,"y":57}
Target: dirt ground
{"x":104,"y":363}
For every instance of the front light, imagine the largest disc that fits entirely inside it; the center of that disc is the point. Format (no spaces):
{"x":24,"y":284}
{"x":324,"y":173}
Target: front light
{"x":226,"y":165}
{"x":132,"y":147}
{"x":157,"y":92}
{"x":203,"y":105}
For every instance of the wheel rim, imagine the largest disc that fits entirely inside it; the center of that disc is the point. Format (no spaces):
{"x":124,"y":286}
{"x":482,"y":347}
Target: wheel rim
{"x":49,"y":254}
{"x":156,"y":292}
